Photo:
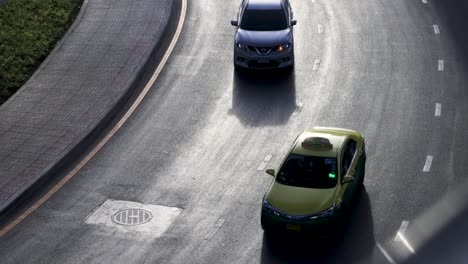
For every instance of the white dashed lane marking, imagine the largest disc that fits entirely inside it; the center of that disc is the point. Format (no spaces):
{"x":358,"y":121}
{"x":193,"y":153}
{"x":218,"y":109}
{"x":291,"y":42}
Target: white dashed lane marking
{"x":264,"y":162}
{"x":424,"y":1}
{"x":401,"y":231}
{"x":217,"y":226}
{"x":320,"y":28}
{"x":400,"y":236}
{"x":427,"y":165}
{"x":440,"y":65}
{"x":438,"y":109}
{"x":316,"y":65}
{"x":298,"y":108}
{"x":436,"y":29}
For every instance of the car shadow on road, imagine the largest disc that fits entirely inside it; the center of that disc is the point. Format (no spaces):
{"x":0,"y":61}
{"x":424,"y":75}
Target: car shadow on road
{"x":263,"y":98}
{"x":454,"y":22}
{"x":354,"y":244}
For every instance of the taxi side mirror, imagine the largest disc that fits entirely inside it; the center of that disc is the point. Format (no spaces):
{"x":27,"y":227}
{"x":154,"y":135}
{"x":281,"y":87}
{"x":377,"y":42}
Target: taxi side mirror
{"x":271,"y":172}
{"x":348,"y":179}
{"x":293,"y":22}
{"x":234,"y":23}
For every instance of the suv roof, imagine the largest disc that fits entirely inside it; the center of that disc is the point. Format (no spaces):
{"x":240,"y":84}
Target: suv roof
{"x":264,"y":4}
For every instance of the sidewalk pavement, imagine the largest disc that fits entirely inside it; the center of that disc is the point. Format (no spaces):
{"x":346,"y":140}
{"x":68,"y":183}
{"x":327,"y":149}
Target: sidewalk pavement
{"x":77,"y":89}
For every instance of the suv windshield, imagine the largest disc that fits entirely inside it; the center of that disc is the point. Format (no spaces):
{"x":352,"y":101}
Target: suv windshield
{"x":309,"y":172}
{"x":263,"y":20}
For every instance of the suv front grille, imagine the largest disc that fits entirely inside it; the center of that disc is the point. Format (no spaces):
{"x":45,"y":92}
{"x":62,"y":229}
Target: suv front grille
{"x":262,"y":50}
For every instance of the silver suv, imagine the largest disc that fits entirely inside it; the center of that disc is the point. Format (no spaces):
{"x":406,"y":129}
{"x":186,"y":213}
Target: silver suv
{"x":264,"y":37}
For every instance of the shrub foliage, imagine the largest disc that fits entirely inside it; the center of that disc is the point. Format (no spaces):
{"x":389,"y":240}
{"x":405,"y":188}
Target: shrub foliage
{"x":29,"y":30}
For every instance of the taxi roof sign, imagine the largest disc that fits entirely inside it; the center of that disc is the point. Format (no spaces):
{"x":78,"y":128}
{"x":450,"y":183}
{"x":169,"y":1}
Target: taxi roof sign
{"x":318,"y":143}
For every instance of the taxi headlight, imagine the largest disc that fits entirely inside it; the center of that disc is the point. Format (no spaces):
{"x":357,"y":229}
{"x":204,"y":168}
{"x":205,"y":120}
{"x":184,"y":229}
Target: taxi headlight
{"x":267,"y":206}
{"x":325,"y":213}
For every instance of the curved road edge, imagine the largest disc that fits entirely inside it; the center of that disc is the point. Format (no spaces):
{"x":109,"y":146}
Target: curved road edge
{"x":18,"y":188}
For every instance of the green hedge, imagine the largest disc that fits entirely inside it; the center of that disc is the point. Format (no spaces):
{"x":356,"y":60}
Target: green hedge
{"x":29,"y":30}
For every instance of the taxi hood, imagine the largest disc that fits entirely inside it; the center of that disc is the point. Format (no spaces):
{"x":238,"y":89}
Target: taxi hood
{"x":300,"y":201}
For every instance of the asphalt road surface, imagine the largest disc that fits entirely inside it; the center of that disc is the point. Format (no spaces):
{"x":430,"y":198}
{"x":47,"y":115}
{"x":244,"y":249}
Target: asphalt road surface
{"x":199,"y":138}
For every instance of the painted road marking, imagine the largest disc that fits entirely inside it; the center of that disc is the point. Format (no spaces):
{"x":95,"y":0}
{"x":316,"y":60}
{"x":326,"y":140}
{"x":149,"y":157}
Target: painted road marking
{"x":436,"y":29}
{"x":400,"y":236}
{"x":438,"y":109}
{"x":405,"y":242}
{"x":216,"y":228}
{"x":427,"y":165}
{"x":424,"y":1}
{"x":298,"y":108}
{"x":401,"y":231}
{"x":111,"y":133}
{"x":316,"y":65}
{"x":385,"y":253}
{"x":440,"y":66}
{"x":264,"y":162}
{"x":313,"y":1}
{"x":320,"y":28}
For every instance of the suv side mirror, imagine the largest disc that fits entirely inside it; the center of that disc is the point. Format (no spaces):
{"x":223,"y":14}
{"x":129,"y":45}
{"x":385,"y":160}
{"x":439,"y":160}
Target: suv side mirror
{"x":348,"y":179}
{"x":271,"y":172}
{"x":293,"y":22}
{"x":234,"y":23}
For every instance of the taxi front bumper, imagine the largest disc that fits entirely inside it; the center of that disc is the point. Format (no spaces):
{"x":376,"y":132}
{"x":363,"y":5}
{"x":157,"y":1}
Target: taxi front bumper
{"x":278,"y":222}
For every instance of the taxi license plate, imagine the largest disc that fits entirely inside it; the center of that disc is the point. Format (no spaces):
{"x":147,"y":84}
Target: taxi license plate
{"x":293,"y":227}
{"x":263,"y":61}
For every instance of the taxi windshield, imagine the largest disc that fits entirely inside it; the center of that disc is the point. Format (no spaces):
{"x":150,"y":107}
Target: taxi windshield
{"x":308,"y":172}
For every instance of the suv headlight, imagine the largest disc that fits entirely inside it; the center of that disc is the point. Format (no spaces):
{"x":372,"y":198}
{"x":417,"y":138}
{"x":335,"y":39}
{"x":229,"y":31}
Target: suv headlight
{"x":283,"y":47}
{"x":325,"y":213}
{"x":241,"y":46}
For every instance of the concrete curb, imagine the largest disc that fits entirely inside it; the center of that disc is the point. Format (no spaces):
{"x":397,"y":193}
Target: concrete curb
{"x":83,"y":141}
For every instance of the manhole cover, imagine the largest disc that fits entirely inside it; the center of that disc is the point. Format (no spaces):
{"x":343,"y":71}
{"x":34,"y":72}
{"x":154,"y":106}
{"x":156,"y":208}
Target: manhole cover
{"x":133,"y":216}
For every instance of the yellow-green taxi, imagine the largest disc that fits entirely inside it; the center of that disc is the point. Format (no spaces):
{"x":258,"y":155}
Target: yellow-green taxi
{"x":316,"y":182}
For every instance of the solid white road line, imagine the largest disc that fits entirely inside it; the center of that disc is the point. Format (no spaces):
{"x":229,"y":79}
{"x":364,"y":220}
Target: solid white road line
{"x":427,"y":165}
{"x":264,"y":162}
{"x":436,"y":29}
{"x":440,"y":65}
{"x":316,"y":65}
{"x":438,"y":109}
{"x":385,"y":253}
{"x":401,"y":231}
{"x":111,"y":133}
{"x":298,"y":108}
{"x":320,"y":28}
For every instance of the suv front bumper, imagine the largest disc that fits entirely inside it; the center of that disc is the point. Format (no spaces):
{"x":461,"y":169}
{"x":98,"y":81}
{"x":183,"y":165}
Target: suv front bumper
{"x":252,"y":60}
